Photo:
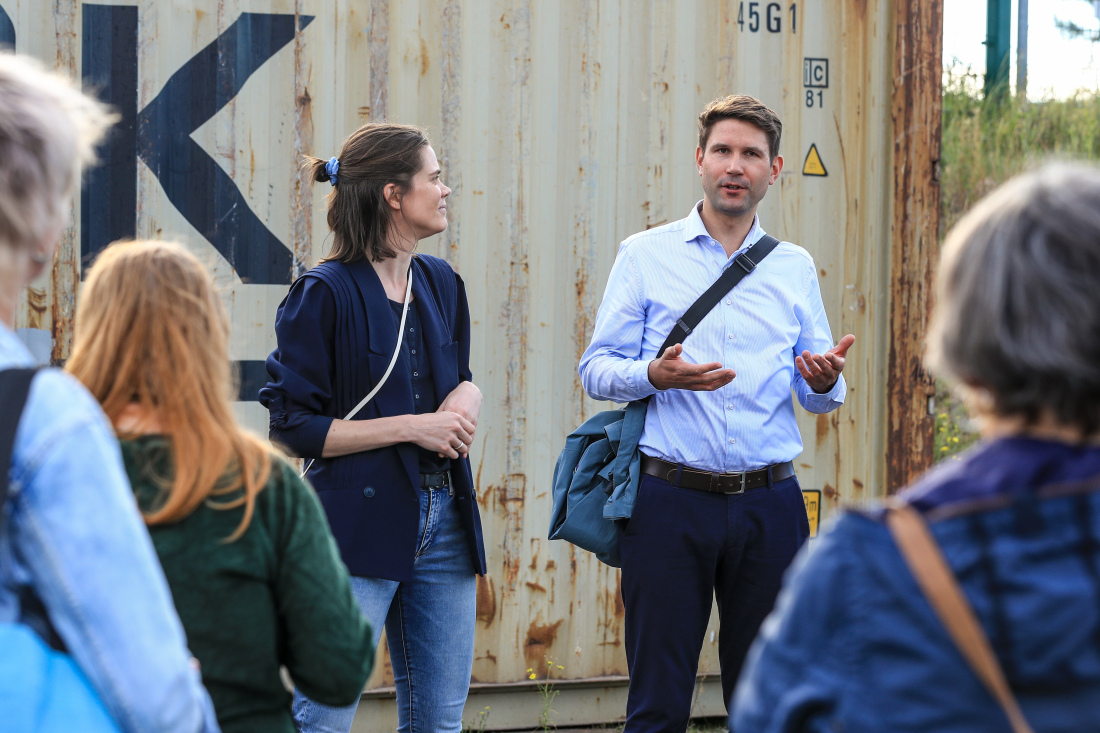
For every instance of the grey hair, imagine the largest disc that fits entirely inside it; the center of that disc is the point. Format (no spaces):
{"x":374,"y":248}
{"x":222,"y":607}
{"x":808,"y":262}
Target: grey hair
{"x":48,"y":133}
{"x":1018,"y":298}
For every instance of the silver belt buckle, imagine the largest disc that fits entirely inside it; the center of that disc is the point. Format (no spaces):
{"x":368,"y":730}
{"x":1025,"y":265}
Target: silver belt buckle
{"x":744,"y":480}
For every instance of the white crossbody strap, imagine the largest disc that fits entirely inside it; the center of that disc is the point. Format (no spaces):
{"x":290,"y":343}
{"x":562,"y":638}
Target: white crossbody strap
{"x":393,"y":360}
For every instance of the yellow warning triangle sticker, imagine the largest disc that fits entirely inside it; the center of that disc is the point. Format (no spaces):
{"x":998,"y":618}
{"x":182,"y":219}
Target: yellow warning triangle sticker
{"x":813,"y":165}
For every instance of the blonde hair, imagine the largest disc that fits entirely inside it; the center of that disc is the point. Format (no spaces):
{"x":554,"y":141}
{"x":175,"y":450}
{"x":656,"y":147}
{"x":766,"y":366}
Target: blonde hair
{"x":151,"y":330}
{"x":48,"y":133}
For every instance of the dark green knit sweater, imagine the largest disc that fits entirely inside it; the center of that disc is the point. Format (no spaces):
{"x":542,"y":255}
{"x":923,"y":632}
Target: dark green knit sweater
{"x":277,"y":596}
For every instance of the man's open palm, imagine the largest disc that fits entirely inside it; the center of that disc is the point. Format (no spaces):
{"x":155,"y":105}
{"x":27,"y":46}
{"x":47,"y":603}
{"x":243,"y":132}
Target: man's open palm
{"x":672,"y":371}
{"x":822,"y":370}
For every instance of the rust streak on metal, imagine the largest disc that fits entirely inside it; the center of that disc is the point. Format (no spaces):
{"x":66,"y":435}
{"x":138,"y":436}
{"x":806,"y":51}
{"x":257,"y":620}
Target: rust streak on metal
{"x":540,"y":637}
{"x":301,"y":212}
{"x":822,"y":429}
{"x":64,"y":282}
{"x":482,"y":496}
{"x":379,"y":58}
{"x":386,"y":663}
{"x":585,"y":247}
{"x":534,"y":564}
{"x":486,"y":601}
{"x":60,"y":300}
{"x":535,"y":586}
{"x":450,"y":121}
{"x":515,"y":310}
{"x":65,"y":32}
{"x":916,"y":128}
{"x":36,"y":307}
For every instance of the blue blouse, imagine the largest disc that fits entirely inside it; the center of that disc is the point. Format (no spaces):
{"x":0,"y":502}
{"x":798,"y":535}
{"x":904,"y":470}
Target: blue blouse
{"x":424,"y":396}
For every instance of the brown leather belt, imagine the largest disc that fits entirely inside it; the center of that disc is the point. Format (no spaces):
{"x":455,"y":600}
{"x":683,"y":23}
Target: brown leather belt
{"x":718,"y":483}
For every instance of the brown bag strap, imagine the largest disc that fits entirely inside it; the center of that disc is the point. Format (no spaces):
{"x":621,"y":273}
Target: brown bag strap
{"x":922,"y":554}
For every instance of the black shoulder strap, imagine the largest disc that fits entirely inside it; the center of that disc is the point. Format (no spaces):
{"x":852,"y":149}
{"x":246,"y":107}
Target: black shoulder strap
{"x":15,"y":385}
{"x":742,"y":265}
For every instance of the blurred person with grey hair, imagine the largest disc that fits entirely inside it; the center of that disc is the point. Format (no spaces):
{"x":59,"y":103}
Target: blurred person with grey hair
{"x":854,"y":644}
{"x":77,"y":566}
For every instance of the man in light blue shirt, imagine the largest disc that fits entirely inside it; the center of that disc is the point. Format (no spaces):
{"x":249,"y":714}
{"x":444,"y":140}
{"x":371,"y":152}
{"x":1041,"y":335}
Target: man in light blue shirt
{"x":719,"y":509}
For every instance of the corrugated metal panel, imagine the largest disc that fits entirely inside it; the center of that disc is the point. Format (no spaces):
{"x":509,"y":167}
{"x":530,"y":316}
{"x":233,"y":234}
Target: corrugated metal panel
{"x":562,"y":127}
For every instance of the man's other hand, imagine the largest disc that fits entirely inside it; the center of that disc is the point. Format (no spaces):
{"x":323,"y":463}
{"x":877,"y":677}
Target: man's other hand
{"x":822,"y":370}
{"x":672,"y":372}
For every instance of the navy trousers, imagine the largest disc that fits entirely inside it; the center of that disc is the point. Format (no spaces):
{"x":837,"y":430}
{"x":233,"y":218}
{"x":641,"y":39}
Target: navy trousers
{"x":681,"y":548}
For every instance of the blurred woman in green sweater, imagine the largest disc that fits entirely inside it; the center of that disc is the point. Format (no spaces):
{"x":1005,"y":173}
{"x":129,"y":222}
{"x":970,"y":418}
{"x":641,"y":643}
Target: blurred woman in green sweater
{"x":253,"y":569}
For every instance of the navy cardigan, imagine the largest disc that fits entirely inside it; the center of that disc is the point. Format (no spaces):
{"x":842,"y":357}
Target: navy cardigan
{"x":336,"y":336}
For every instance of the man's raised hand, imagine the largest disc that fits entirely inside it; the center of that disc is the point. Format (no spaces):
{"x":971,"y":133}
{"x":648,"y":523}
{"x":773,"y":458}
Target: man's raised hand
{"x":671,"y":371}
{"x":822,"y":370}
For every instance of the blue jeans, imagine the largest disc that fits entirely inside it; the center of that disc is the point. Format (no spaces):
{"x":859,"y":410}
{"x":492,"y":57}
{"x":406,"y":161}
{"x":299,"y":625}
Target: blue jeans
{"x":429,"y":625}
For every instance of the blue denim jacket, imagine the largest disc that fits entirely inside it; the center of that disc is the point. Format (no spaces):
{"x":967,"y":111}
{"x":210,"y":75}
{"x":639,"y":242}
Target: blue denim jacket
{"x":853,"y":643}
{"x":71,"y":530}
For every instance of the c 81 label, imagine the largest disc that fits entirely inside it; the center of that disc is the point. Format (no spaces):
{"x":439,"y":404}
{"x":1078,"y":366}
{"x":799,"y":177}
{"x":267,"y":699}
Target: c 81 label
{"x":766,"y":16}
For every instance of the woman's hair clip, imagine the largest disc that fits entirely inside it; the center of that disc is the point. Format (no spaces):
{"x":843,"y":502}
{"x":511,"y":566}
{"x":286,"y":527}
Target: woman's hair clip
{"x":332,"y":167}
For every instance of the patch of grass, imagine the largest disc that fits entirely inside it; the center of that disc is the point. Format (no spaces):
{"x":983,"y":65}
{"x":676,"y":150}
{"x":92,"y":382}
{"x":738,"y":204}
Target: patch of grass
{"x":478,"y":725}
{"x":984,"y":143}
{"x":954,"y":430}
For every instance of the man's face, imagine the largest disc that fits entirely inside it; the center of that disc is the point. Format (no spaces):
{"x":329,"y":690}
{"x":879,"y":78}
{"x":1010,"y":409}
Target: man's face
{"x":735,"y":168}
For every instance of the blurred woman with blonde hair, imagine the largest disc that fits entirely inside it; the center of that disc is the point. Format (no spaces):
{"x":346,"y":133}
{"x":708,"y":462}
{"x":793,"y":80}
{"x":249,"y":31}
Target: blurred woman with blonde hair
{"x":77,"y":569}
{"x":253,"y":568}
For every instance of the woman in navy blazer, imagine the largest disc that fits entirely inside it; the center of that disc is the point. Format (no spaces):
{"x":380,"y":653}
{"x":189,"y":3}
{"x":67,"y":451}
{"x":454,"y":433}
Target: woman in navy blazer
{"x":395,"y":480}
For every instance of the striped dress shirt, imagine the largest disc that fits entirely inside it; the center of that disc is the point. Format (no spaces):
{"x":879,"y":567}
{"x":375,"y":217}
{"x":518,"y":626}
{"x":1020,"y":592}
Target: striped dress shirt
{"x":757,"y":329}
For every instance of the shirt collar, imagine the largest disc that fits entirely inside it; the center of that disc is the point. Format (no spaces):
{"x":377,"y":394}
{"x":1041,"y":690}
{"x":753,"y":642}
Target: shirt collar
{"x":694,"y":228}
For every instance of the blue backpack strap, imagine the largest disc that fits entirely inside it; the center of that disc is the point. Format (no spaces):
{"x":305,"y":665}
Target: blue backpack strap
{"x":444,"y":284}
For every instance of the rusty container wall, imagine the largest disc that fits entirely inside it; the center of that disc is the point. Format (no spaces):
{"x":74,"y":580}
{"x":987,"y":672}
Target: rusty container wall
{"x":562,"y":127}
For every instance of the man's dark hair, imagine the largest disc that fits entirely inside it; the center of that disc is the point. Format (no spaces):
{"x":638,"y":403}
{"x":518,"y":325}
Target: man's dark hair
{"x":747,"y":109}
{"x":373,"y":156}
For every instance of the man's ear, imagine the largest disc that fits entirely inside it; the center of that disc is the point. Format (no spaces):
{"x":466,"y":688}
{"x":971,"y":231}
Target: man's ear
{"x":392,"y":196}
{"x":699,"y":160}
{"x":777,"y":168}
